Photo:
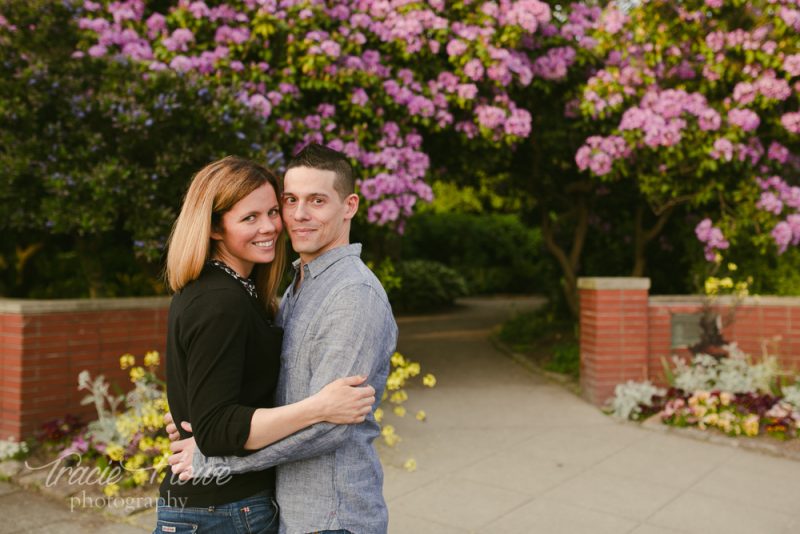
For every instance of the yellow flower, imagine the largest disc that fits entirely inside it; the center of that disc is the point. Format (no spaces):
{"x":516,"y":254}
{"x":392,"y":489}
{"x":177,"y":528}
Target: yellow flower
{"x":399,"y":397}
{"x":111,"y":490}
{"x":141,"y":477}
{"x":750,"y":425}
{"x":717,"y":258}
{"x":137,"y":373}
{"x":152,"y":359}
{"x":429,"y":380}
{"x":421,"y":415}
{"x":726,"y":282}
{"x":712,"y":286}
{"x":398,"y":360}
{"x":115,"y":452}
{"x":410,"y":465}
{"x":389,"y":435}
{"x":413,"y":369}
{"x":126,"y":360}
{"x":399,"y":411}
{"x":732,"y":267}
{"x":378,"y":415}
{"x":394,"y":382}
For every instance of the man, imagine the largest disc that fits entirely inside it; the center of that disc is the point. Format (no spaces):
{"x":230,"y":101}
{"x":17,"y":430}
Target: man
{"x":337,"y":322}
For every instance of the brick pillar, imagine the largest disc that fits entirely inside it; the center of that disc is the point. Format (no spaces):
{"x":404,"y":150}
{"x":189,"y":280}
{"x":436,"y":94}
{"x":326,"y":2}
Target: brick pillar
{"x":613,"y":336}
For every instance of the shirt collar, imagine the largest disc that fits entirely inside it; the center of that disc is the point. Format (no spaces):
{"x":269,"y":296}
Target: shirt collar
{"x":319,"y":264}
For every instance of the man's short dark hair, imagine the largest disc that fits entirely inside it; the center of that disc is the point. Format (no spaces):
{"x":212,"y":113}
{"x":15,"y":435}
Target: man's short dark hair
{"x":320,"y":157}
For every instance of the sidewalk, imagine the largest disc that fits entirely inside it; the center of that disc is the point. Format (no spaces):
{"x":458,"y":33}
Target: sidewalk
{"x":503,"y":450}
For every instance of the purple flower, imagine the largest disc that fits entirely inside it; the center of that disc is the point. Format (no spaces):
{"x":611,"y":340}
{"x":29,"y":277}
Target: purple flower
{"x":746,"y":119}
{"x":156,"y":23}
{"x":98,"y":50}
{"x":791,"y":64}
{"x":467,"y":91}
{"x":782,"y":234}
{"x":518,"y":123}
{"x":178,"y":40}
{"x":490,"y":116}
{"x":456,"y":47}
{"x":712,"y":236}
{"x":359,"y":97}
{"x":331,"y":48}
{"x":181,"y":63}
{"x":791,"y":121}
{"x":723,"y":149}
{"x":474,"y":69}
{"x":744,"y":93}
{"x":770,"y":202}
{"x":778,"y":152}
{"x":709,"y":120}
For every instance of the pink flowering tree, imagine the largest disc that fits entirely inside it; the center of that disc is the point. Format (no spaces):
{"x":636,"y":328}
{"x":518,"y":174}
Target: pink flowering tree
{"x":697,"y":107}
{"x":370,"y":78}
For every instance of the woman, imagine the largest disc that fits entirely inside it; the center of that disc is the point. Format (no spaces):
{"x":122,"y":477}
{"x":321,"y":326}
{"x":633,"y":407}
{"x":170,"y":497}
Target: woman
{"x":224,"y":263}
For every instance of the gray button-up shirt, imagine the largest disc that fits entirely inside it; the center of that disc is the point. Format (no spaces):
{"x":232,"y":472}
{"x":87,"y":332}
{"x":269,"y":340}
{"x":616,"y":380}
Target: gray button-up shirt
{"x":338,"y":323}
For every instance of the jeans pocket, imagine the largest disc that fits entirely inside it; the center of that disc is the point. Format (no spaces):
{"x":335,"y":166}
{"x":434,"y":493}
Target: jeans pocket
{"x":261,"y":517}
{"x":174,"y":527}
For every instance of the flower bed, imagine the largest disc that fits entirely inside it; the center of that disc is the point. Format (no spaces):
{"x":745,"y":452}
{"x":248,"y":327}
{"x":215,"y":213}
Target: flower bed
{"x":733,"y":395}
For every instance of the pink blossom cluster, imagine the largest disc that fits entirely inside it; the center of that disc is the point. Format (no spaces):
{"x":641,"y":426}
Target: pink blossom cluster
{"x":768,"y":86}
{"x":661,"y":116}
{"x":581,"y":21}
{"x":599,"y":153}
{"x":555,"y":63}
{"x":5,"y":24}
{"x":745,"y":119}
{"x":398,"y":166}
{"x":791,"y":121}
{"x":724,"y":149}
{"x":711,"y":237}
{"x":777,"y":196}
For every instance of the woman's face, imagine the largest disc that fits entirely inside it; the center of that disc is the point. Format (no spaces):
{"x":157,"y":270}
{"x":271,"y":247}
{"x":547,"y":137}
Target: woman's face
{"x":250,"y":231}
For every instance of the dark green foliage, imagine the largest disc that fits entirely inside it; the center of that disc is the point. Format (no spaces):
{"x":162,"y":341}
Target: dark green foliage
{"x":565,"y":359}
{"x":95,"y":157}
{"x":495,"y":253}
{"x":425,"y":286}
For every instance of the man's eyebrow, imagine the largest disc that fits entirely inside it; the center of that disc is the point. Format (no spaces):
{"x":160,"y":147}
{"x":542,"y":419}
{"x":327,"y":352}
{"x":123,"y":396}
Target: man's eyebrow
{"x":290,"y":194}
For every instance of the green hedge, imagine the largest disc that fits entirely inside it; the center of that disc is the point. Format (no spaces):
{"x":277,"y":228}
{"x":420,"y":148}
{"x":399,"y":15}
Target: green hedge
{"x":425,"y":286}
{"x":494,"y":253}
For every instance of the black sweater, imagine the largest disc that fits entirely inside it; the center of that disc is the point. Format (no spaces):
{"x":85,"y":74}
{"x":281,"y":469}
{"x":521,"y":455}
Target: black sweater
{"x":223,"y":359}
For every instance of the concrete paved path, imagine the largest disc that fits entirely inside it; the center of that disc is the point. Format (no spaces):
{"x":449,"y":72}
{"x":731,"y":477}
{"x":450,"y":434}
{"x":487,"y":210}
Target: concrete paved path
{"x":505,"y":451}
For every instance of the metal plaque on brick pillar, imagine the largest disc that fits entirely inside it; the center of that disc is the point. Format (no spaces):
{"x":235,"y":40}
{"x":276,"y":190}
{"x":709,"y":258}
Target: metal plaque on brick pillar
{"x":685,"y":329}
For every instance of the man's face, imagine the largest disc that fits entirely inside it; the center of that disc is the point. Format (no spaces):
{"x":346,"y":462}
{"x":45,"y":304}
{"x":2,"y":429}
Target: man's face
{"x":314,"y":214}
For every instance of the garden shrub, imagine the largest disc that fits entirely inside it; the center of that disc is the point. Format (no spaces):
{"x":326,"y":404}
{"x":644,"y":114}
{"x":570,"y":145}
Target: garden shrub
{"x":425,"y":286}
{"x":96,"y":157}
{"x":495,"y":253}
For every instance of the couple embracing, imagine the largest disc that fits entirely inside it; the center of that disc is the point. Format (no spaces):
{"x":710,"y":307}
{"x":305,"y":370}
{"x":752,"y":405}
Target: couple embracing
{"x":273,"y":404}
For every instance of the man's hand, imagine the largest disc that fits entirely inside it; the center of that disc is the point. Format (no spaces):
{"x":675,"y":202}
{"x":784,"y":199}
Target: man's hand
{"x":172,"y":429}
{"x":181,"y":458}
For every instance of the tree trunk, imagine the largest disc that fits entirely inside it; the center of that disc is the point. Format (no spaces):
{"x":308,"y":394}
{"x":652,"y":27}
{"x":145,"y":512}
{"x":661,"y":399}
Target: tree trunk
{"x":89,"y":254}
{"x":569,"y":263}
{"x":644,"y":236}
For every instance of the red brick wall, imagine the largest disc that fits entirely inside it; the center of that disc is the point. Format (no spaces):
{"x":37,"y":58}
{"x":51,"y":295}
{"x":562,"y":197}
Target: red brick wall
{"x":44,"y":345}
{"x":625,"y":334}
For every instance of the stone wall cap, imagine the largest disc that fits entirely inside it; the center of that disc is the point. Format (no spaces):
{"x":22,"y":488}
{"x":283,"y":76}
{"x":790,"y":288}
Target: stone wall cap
{"x":615,"y":282}
{"x":725,"y":300}
{"x":34,"y":306}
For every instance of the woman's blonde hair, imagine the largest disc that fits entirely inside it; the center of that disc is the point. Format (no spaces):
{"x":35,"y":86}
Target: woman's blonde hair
{"x":214,"y":190}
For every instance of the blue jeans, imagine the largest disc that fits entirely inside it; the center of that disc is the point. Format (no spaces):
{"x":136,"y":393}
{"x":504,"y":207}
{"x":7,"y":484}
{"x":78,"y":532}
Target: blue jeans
{"x":254,"y":515}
